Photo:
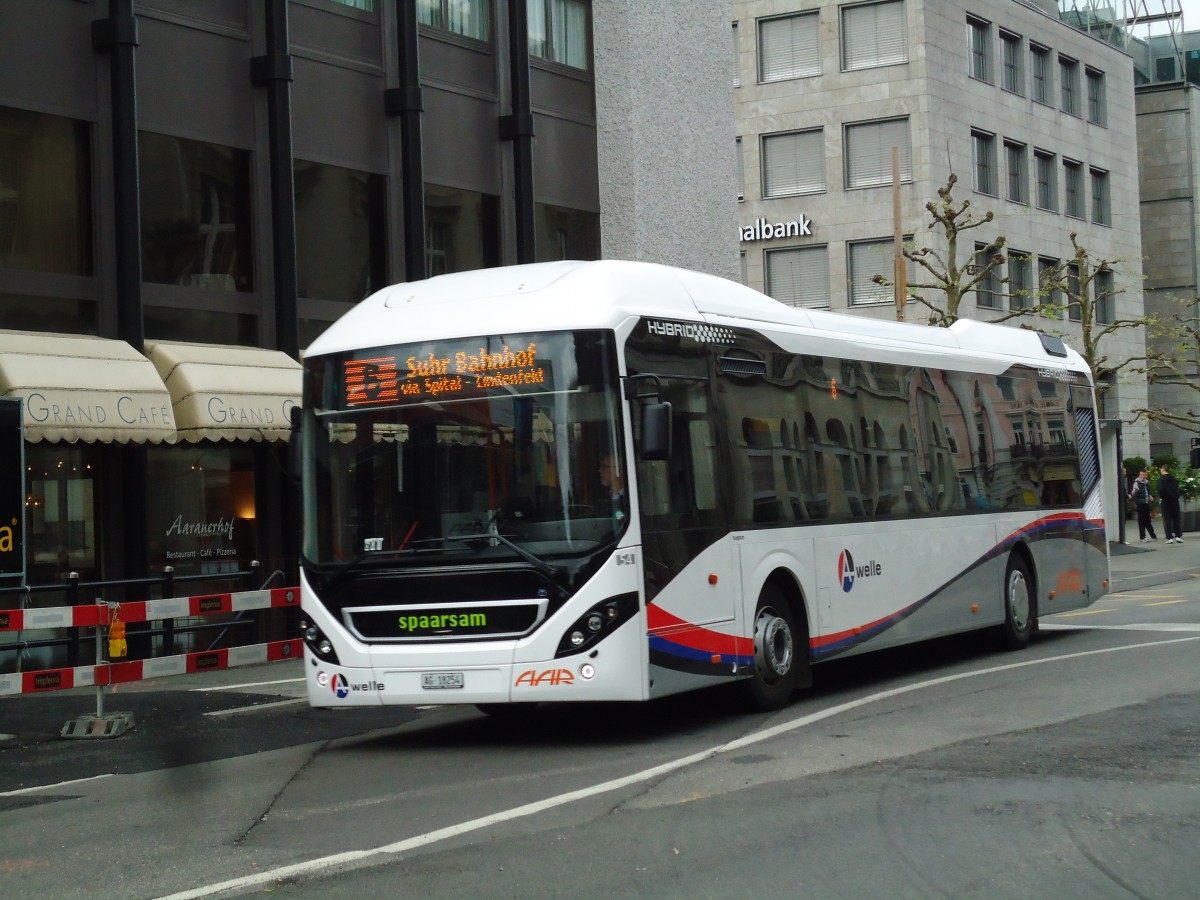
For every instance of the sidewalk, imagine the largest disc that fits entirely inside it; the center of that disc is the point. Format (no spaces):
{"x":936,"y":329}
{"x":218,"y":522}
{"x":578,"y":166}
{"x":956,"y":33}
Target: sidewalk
{"x":1140,"y":565}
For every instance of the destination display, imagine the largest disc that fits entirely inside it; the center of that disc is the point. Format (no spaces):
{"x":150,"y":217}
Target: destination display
{"x":454,"y":370}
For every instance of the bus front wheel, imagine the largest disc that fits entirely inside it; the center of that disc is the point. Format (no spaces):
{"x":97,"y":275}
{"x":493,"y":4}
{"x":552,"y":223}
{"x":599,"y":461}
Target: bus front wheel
{"x":1020,"y":605}
{"x":776,"y":667}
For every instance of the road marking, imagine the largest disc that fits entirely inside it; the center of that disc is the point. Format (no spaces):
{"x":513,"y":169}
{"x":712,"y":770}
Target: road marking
{"x":251,"y":684}
{"x":344,"y":859}
{"x":1083,"y":612}
{"x":1165,"y":603}
{"x":1173,"y":627}
{"x":52,"y":787}
{"x":239,"y":710}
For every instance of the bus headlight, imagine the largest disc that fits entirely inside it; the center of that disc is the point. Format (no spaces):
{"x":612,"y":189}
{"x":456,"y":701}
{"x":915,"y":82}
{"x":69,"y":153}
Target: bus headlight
{"x":320,"y":645}
{"x":596,"y":623}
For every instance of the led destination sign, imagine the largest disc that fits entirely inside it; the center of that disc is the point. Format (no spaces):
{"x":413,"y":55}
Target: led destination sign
{"x":467,"y":370}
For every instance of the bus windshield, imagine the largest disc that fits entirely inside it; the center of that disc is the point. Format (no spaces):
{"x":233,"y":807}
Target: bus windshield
{"x":465,"y":451}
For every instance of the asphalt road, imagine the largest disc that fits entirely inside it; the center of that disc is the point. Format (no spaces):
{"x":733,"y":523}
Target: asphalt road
{"x":950,"y":769}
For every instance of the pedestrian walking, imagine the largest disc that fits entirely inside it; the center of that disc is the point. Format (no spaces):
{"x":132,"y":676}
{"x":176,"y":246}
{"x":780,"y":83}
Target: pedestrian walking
{"x":1141,"y":497}
{"x":1168,"y":496}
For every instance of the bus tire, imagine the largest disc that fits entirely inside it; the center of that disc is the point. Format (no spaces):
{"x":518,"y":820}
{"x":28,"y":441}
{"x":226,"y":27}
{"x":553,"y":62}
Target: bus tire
{"x":1020,"y":604}
{"x":776,"y":645}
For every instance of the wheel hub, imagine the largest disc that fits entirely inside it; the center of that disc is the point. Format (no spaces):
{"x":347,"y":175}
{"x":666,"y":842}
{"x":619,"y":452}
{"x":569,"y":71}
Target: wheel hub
{"x":773,"y":646}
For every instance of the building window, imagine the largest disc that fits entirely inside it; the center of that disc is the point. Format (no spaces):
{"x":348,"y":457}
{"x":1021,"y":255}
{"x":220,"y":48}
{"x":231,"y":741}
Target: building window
{"x":1101,"y":204}
{"x":470,"y":19}
{"x":195,"y":213}
{"x":1012,"y":72}
{"x":741,"y":169}
{"x":737,"y":58}
{"x":1020,"y":279}
{"x":979,"y":49}
{"x":1047,"y":183}
{"x":562,"y":233}
{"x":364,"y":5}
{"x":789,"y":47}
{"x":1073,"y":188}
{"x":1039,"y":65}
{"x":1074,"y":286}
{"x":868,"y":259}
{"x":1164,"y":69}
{"x":1096,"y":97}
{"x":1048,"y":292}
{"x":874,"y":34}
{"x":1068,"y":72}
{"x":462,"y":230}
{"x":45,"y":193}
{"x":558,"y":31}
{"x":341,"y":240}
{"x":798,"y":276}
{"x":987,"y":291}
{"x":793,"y":163}
{"x":1103,"y":297}
{"x":983,"y":161}
{"x":1016,"y":164}
{"x":868,"y":152}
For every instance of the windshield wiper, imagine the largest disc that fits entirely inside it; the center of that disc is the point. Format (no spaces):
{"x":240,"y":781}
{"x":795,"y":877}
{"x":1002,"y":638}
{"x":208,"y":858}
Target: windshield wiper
{"x":537,"y":562}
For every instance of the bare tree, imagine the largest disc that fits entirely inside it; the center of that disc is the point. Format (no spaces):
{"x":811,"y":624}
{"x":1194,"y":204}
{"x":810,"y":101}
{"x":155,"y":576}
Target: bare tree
{"x":1082,"y":288}
{"x":942,"y":272}
{"x":1085,"y":288}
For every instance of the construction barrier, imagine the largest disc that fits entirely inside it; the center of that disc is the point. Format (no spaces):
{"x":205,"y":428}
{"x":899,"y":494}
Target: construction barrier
{"x":103,"y":615}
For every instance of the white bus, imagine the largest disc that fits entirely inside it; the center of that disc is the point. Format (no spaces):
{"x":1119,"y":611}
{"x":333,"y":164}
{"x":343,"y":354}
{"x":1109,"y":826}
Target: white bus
{"x":617,"y":481}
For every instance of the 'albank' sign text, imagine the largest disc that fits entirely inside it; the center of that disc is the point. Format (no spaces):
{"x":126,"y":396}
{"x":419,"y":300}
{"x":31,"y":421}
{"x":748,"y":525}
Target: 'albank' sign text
{"x":762,"y":230}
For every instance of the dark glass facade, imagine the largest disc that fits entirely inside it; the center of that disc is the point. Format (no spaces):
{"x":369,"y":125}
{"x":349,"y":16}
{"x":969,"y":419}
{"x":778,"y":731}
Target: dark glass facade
{"x":276,"y":185}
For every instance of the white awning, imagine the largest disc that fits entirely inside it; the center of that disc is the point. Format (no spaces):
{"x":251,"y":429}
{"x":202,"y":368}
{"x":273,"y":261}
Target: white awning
{"x":220,"y":392}
{"x":82,"y":388}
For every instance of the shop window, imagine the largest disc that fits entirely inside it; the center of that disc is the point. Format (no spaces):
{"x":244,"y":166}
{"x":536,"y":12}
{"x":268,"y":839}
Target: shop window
{"x":45,"y":193}
{"x":201,"y":514}
{"x":341,"y":242}
{"x":195,"y":214}
{"x":61,"y":512}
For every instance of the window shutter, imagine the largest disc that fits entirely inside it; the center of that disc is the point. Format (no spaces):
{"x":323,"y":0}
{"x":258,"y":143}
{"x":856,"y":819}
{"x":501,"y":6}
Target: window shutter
{"x":868,"y":259}
{"x":869,"y":152}
{"x":799,"y":277}
{"x":793,"y":163}
{"x":874,"y":35}
{"x":789,"y":47}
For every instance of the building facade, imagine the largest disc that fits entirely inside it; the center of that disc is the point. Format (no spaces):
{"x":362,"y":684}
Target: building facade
{"x":1168,"y":133}
{"x":191,"y":190}
{"x":1035,"y":119}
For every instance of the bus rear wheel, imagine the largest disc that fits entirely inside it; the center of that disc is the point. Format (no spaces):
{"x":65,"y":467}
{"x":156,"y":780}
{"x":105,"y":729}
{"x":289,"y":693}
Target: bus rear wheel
{"x":1020,"y":605}
{"x":776,"y":667}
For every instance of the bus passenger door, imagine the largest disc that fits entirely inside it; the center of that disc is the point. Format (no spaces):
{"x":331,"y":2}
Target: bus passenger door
{"x":689,"y":560}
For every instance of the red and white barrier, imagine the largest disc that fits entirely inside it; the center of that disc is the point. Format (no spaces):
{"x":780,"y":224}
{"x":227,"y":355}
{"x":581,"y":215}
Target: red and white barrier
{"x":121,"y":672}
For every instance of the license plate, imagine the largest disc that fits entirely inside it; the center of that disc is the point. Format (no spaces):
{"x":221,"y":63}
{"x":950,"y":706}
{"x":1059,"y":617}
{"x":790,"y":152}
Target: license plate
{"x":438,"y":681}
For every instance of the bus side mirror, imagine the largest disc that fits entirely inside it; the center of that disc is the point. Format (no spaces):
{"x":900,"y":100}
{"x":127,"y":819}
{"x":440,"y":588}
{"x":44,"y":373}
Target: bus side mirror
{"x":656,"y":431}
{"x":295,"y":444}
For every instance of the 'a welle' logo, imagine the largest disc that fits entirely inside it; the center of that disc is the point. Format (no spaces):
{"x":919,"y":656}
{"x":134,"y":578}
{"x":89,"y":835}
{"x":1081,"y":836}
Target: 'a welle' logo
{"x":848,"y":573}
